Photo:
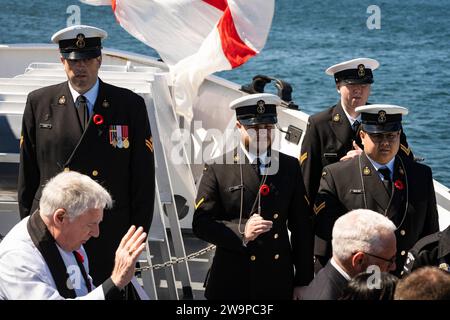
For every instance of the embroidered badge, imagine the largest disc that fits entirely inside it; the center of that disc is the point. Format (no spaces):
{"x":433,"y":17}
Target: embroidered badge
{"x":366,"y":171}
{"x":261,"y":107}
{"x":80,"y":41}
{"x":105,"y":104}
{"x":361,"y":71}
{"x":381,"y":117}
{"x":337,"y":117}
{"x":62,"y":100}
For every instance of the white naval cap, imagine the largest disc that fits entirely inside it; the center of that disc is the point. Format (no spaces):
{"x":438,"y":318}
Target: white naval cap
{"x":379,"y":118}
{"x":80,"y":41}
{"x":354,"y":71}
{"x":259,"y":108}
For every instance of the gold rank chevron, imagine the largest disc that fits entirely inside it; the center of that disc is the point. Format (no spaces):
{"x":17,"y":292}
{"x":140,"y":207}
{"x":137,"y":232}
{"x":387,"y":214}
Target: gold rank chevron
{"x":406,"y":150}
{"x":149,"y":143}
{"x":318,"y":208}
{"x":199,"y":203}
{"x":303,"y":157}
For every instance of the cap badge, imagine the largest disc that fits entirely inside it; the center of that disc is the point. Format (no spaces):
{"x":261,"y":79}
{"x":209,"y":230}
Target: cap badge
{"x":62,"y":100}
{"x":105,"y":104}
{"x":261,"y":108}
{"x":366,"y":171}
{"x":80,"y":41}
{"x":361,"y":71}
{"x":381,"y":117}
{"x":337,"y":117}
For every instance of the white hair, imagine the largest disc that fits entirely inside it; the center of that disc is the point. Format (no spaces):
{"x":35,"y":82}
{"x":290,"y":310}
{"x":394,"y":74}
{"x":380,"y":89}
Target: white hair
{"x":74,"y":192}
{"x":360,"y":230}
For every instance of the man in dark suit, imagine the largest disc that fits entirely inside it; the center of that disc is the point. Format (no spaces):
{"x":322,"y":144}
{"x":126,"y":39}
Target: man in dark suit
{"x":432,"y":250}
{"x":362,"y":239}
{"x":331,"y":135}
{"x":246,"y":202}
{"x":94,"y":128}
{"x":380,"y":180}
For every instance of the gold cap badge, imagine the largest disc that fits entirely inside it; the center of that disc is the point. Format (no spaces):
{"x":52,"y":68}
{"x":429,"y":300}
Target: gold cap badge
{"x":80,"y":41}
{"x":381,"y":117}
{"x":361,"y":71}
{"x":261,"y":107}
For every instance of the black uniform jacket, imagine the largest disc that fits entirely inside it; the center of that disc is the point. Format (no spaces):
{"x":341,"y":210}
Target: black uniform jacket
{"x":355,"y":184}
{"x":53,"y":140}
{"x":432,"y":250}
{"x":328,"y":138}
{"x":328,"y":284}
{"x":264,"y":269}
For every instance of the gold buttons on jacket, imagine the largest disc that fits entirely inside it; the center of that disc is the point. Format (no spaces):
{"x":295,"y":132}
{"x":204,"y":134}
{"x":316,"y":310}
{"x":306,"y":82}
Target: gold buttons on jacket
{"x":253,"y":258}
{"x":95,"y":173}
{"x":275,"y":215}
{"x":66,"y":169}
{"x":403,"y":252}
{"x":402,"y":232}
{"x":276,"y":257}
{"x":275,"y":236}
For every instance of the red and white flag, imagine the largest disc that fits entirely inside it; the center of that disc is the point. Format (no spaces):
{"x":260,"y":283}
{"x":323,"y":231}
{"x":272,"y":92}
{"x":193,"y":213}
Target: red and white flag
{"x":196,"y":37}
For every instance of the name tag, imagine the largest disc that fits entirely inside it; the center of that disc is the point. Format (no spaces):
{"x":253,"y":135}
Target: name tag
{"x":45,"y":125}
{"x":330,"y":155}
{"x":356,"y":191}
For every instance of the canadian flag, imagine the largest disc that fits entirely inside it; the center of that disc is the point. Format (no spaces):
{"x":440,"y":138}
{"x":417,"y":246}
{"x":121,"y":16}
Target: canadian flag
{"x":196,"y":37}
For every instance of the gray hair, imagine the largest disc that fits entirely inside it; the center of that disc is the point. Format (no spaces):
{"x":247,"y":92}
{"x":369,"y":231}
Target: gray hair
{"x":360,"y":230}
{"x":74,"y":192}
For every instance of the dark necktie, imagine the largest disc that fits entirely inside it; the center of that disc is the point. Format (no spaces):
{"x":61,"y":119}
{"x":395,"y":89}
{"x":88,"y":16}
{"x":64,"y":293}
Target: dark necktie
{"x":83,"y":111}
{"x":79,"y":258}
{"x":387,"y":178}
{"x":355,"y":126}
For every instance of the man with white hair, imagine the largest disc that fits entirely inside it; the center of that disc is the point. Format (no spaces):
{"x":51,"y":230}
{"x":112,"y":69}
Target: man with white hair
{"x":361,"y":238}
{"x":43,"y":257}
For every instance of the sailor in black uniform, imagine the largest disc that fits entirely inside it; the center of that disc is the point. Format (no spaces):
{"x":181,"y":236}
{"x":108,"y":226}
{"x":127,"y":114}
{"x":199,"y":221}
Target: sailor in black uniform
{"x":380,"y":180}
{"x":432,"y":250}
{"x":246,"y":202}
{"x":97,"y":129}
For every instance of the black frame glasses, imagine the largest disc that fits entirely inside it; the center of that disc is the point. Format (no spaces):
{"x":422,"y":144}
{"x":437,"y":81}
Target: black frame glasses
{"x":379,"y":137}
{"x":391,"y":261}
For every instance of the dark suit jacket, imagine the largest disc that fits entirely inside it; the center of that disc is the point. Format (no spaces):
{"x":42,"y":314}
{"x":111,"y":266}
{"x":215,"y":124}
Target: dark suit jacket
{"x":328,"y":284}
{"x":265,"y":268}
{"x":328,"y":138}
{"x":355,"y":184}
{"x":53,"y":140}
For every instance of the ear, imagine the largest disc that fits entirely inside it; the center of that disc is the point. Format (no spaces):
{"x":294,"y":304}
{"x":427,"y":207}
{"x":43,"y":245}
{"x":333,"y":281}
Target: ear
{"x":62,"y":59}
{"x":358,"y":261}
{"x":338,"y":88}
{"x":238,"y":124}
{"x":60,"y":217}
{"x":99,"y":59}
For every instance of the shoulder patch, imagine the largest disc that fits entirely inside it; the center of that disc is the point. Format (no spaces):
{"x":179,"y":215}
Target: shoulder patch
{"x":303,"y":157}
{"x":318,"y":208}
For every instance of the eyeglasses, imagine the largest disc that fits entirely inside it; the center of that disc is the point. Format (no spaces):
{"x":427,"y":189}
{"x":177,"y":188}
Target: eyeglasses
{"x":379,"y":137}
{"x":391,"y":261}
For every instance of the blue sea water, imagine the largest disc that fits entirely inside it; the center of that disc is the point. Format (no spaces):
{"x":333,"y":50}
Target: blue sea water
{"x":412,"y":46}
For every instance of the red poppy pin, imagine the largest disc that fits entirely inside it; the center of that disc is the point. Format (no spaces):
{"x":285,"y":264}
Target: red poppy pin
{"x":264,"y":190}
{"x":98,"y":119}
{"x":79,"y":257}
{"x":399,"y":184}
